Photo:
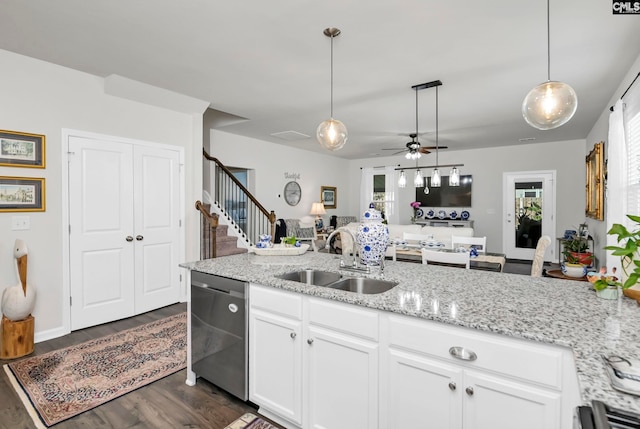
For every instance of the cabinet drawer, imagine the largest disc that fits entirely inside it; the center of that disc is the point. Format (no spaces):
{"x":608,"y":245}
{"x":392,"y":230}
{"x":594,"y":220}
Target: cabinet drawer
{"x":527,"y":360}
{"x":276,"y":301}
{"x":344,"y":318}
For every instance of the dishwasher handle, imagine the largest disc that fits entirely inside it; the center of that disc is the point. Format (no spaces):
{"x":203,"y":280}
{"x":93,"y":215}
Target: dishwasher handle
{"x":218,"y":284}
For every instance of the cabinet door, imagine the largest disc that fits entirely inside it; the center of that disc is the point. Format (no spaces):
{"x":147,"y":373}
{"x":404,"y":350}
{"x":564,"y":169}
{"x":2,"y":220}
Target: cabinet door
{"x":275,"y":364}
{"x":422,"y":393}
{"x":342,"y":380}
{"x":496,"y":403}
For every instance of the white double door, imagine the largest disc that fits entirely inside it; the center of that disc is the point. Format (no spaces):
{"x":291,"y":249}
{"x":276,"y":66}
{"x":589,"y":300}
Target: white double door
{"x":124,"y":229}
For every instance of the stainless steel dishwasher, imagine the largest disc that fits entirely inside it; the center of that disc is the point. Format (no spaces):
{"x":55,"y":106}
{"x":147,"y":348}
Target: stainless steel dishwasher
{"x":219,"y":330}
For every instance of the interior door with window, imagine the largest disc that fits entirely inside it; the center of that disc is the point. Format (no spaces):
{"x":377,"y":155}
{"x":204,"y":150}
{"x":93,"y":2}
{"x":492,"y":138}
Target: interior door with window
{"x":529,"y":213}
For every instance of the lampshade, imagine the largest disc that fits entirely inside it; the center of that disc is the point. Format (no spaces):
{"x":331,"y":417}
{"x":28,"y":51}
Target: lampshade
{"x":332,"y":134}
{"x":418,"y":181}
{"x":436,"y":181}
{"x":549,"y":105}
{"x":318,"y":209}
{"x":402,"y":181}
{"x":454,"y":177}
{"x":413,"y":155}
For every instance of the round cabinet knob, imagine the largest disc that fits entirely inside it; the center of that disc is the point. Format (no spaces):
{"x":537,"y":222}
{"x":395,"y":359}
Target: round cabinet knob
{"x":129,"y":238}
{"x":139,"y":237}
{"x":310,"y":341}
{"x":469,"y":391}
{"x":293,"y":335}
{"x":452,"y":385}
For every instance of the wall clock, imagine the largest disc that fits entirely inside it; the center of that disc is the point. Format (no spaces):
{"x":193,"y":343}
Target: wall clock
{"x":292,"y":193}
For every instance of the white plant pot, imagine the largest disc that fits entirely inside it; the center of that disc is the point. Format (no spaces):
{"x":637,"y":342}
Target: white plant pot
{"x":574,"y":270}
{"x":610,"y":292}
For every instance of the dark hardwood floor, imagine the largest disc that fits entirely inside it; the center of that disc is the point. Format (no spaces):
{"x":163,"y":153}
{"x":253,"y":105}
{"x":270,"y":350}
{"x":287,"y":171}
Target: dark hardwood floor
{"x":166,"y":403}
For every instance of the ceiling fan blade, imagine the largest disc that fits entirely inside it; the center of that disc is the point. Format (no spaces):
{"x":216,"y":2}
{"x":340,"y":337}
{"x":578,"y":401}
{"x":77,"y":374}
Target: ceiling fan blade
{"x":433,"y":147}
{"x":424,"y":150}
{"x":394,"y":148}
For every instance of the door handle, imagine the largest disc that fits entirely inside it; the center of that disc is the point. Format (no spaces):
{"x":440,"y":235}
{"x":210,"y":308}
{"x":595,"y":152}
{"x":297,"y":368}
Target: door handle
{"x":462,"y":353}
{"x":469,"y":391}
{"x":129,"y":238}
{"x":139,"y":237}
{"x":293,"y":335}
{"x":310,"y":341}
{"x":452,"y":385}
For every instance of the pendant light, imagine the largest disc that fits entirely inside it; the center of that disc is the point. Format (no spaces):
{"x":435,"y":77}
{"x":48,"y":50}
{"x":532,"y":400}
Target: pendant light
{"x":332,"y":134}
{"x":454,"y":177}
{"x":435,"y":176}
{"x":402,"y":181}
{"x":418,"y":180}
{"x":550,"y":104}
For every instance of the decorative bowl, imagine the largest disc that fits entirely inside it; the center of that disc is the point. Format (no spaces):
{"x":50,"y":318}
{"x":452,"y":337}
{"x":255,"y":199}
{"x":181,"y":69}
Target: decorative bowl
{"x":574,"y":270}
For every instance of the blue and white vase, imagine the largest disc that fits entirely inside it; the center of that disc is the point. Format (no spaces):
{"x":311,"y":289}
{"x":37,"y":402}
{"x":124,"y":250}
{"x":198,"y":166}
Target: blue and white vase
{"x":372,"y":237}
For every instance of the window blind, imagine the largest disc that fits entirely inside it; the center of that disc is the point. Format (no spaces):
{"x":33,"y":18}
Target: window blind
{"x":632,"y":134}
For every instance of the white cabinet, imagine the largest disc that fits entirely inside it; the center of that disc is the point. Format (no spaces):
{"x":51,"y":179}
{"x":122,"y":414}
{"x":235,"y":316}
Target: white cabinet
{"x":505,"y":383}
{"x":316,"y":368}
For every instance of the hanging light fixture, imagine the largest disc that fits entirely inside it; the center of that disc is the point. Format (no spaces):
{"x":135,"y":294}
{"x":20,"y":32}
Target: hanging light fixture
{"x":332,"y":134}
{"x":418,"y":181}
{"x":402,"y":181}
{"x":435,"y":176}
{"x":550,"y":104}
{"x":454,"y":177}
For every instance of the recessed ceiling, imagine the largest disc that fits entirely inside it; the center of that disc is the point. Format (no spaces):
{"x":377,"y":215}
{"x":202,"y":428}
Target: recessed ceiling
{"x":268,"y":61}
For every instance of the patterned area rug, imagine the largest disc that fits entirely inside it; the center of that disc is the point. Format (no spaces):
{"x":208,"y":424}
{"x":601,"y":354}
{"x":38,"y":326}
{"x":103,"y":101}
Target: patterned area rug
{"x":64,"y":383}
{"x":250,"y":421}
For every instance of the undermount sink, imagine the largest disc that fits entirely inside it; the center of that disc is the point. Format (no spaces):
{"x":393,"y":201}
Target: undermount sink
{"x":362,"y":285}
{"x":312,"y":277}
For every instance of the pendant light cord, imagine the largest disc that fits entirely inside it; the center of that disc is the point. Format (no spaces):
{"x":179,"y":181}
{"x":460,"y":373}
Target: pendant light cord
{"x":437,"y":127}
{"x":548,"y":44}
{"x":416,"y":114}
{"x":332,"y":36}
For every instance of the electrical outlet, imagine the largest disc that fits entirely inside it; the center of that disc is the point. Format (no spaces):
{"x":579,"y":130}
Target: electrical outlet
{"x":20,"y":223}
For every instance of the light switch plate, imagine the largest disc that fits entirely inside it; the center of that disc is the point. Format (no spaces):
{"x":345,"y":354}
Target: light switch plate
{"x":20,"y":223}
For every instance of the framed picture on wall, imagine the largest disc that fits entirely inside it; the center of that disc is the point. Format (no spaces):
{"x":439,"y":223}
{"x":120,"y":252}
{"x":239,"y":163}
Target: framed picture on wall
{"x":19,"y":149}
{"x":329,"y":196}
{"x":22,"y":194}
{"x":595,"y":182}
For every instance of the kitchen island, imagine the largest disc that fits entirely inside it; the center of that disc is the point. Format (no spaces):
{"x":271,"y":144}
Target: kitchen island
{"x":543,"y":310}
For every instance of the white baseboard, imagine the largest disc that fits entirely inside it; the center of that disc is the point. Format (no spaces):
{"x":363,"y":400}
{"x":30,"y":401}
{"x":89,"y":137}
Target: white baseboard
{"x":49,"y":334}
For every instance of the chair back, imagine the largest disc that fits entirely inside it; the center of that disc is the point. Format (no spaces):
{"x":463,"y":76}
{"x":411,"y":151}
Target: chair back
{"x":480,"y":243}
{"x":454,"y":258}
{"x":538,"y":257}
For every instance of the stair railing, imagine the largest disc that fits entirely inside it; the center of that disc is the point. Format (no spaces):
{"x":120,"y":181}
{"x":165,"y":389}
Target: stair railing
{"x":248,"y":216}
{"x":207,"y":231}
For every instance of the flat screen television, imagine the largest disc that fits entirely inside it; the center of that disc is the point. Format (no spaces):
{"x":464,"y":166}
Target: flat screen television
{"x":445,"y":195}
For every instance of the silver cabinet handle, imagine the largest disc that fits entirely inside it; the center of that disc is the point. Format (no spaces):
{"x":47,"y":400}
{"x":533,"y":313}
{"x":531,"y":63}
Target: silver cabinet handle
{"x":462,"y":353}
{"x":139,"y":237}
{"x":452,"y":385}
{"x":469,"y":391}
{"x":129,"y":238}
{"x":310,"y":341}
{"x":292,"y":335}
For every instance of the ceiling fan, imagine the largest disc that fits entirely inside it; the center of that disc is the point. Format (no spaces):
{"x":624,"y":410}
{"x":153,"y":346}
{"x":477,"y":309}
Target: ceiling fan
{"x":414,"y":149}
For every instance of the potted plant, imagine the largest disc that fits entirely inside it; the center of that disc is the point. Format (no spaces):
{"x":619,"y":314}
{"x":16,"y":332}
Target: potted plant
{"x":576,"y":250}
{"x":629,"y":257}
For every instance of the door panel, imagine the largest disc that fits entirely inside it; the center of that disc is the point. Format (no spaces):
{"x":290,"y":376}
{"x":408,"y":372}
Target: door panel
{"x":101,"y":218}
{"x":156,"y":185}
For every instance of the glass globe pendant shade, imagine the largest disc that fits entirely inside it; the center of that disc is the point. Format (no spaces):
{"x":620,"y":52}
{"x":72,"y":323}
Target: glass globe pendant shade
{"x":418,"y":182}
{"x":549,"y":105}
{"x":332,"y":134}
{"x":426,"y":190}
{"x":454,"y":177}
{"x":435,"y":178}
{"x":402,"y":181}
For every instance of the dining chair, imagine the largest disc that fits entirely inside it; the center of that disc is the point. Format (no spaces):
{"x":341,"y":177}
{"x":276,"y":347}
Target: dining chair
{"x":480,"y":243}
{"x":453,"y":258}
{"x":538,"y":256}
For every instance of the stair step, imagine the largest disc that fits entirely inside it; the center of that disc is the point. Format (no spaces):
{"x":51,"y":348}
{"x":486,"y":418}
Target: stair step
{"x":230,"y":251}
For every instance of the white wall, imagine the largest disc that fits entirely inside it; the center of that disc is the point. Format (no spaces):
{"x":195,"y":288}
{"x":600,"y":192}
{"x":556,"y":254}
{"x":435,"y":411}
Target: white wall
{"x":487,"y":166}
{"x":43,"y":98}
{"x":600,"y":133}
{"x":270,"y":162}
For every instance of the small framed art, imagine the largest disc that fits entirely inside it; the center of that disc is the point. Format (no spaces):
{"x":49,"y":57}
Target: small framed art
{"x":22,"y":194}
{"x":19,"y":149}
{"x":329,"y":196}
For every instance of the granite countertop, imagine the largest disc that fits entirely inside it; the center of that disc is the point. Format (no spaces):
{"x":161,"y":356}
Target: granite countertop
{"x":547,"y":310}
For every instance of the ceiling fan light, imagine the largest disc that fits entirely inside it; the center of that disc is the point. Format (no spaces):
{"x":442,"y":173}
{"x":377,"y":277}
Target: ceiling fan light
{"x":332,"y":134}
{"x":402,"y":181}
{"x":454,"y":177}
{"x":418,"y":181}
{"x":408,"y":155}
{"x":436,"y":181}
{"x":549,"y":105}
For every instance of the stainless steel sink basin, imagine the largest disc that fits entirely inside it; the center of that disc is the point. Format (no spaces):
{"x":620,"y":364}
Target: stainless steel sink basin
{"x":362,"y":285}
{"x":312,"y":277}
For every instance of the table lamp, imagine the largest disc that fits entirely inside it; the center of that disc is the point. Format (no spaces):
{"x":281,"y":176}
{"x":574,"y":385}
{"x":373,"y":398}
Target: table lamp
{"x":318,"y":210}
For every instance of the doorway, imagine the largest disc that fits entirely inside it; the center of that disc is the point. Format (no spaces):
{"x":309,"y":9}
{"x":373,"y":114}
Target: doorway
{"x":529,"y":212}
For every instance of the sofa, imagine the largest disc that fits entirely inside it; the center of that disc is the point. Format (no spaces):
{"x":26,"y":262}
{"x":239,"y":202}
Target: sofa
{"x":440,"y":233}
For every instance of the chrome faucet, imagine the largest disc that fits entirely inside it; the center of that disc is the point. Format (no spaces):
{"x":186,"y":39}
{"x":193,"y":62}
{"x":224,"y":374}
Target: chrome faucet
{"x":343,"y":266}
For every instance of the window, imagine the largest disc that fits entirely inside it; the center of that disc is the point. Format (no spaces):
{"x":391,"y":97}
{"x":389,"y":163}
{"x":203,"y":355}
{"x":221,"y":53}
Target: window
{"x":379,"y":187}
{"x":632,"y":137}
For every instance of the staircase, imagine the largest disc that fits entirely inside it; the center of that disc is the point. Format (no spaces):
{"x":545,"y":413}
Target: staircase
{"x":225,"y":244}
